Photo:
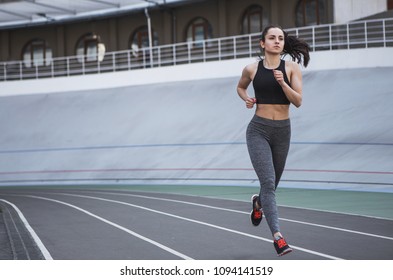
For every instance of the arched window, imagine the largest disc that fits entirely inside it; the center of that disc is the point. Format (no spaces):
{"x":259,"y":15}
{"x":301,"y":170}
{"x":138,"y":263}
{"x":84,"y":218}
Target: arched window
{"x":140,"y":39}
{"x":199,"y":29}
{"x":252,"y":20}
{"x":90,"y":48}
{"x":37,"y":53}
{"x":311,"y":12}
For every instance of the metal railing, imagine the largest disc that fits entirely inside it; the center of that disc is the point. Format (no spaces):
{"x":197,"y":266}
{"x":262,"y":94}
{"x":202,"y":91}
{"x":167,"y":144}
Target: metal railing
{"x":363,"y":34}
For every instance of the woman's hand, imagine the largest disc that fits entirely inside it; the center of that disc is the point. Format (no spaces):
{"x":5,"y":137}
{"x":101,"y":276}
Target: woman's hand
{"x":250,"y":102}
{"x":279,"y":76}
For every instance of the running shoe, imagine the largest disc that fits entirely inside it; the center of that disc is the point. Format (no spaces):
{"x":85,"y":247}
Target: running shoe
{"x":256,"y":213}
{"x":281,"y":247}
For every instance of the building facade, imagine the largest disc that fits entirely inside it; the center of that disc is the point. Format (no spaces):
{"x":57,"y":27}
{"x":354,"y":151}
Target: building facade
{"x":180,"y":22}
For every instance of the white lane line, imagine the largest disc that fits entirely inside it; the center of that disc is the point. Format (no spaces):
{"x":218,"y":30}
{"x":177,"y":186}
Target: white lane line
{"x":161,"y":246}
{"x":248,"y":213}
{"x":337,"y":212}
{"x":35,"y":237}
{"x":340,"y":229}
{"x":202,"y":223}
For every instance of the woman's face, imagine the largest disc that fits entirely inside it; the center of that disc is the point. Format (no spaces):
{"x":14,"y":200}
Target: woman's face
{"x":274,"y":41}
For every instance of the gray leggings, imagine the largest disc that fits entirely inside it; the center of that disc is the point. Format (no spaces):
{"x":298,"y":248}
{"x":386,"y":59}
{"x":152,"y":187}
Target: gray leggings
{"x":268,"y":145}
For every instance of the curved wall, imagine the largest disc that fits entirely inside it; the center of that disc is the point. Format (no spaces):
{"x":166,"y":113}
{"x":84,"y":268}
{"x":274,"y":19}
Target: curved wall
{"x":193,"y":132}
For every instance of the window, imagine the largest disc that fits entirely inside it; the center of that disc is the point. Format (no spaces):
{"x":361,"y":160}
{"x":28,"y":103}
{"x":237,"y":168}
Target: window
{"x":252,"y":20}
{"x":89,"y":48}
{"x":311,"y":12}
{"x":199,"y":29}
{"x":37,"y":53}
{"x":140,"y":39}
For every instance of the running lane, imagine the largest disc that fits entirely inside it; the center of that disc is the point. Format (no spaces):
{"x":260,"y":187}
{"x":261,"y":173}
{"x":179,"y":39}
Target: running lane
{"x":117,"y":224}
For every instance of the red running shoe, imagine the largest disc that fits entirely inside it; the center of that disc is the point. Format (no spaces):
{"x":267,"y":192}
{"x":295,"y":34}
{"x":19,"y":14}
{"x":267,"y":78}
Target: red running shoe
{"x":282,"y":247}
{"x":256,"y":213}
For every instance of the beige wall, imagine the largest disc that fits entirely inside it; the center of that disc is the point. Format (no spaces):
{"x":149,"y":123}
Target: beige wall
{"x":347,"y":10}
{"x":224,"y":15}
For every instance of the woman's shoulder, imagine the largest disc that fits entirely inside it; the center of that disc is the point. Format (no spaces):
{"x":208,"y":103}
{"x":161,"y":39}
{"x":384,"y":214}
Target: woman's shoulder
{"x":292,"y":66}
{"x":292,"y":69}
{"x":251,"y":68}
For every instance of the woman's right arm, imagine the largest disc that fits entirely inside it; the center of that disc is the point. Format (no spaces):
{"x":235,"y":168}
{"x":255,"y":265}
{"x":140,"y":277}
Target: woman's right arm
{"x":242,"y":86}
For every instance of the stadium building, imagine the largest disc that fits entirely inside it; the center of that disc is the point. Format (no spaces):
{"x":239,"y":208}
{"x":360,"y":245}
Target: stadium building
{"x":37,"y":31}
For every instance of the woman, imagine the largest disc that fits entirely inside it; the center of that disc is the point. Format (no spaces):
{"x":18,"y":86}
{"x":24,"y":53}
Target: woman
{"x":277,"y":84}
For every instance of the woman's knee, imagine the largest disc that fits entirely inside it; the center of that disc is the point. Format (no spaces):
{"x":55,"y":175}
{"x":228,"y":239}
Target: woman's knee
{"x":268,"y":185}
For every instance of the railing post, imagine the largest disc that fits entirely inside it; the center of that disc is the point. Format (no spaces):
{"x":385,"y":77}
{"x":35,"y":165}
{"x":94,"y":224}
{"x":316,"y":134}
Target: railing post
{"x":5,"y":71}
{"x":52,"y":68}
{"x":313,"y":38}
{"x":330,"y":38}
{"x":159,"y":56}
{"x":83,"y":65}
{"x":189,"y":52}
{"x":204,"y":50}
{"x":234,"y":47}
{"x":114,"y":62}
{"x":20,"y":70}
{"x":68,"y":66}
{"x":348,"y":39}
{"x":129,"y":59}
{"x":174,"y":54}
{"x":384,"y":32}
{"x":219,"y":49}
{"x":250,"y":45}
{"x":144,"y":58}
{"x":365,"y":34}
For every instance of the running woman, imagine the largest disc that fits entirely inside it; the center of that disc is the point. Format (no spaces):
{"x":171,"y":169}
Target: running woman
{"x":277,"y":83}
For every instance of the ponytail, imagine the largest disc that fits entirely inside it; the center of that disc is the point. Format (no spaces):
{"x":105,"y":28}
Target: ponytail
{"x":297,"y":48}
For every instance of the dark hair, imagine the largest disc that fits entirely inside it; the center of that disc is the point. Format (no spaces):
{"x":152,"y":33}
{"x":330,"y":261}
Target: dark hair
{"x":297,"y":48}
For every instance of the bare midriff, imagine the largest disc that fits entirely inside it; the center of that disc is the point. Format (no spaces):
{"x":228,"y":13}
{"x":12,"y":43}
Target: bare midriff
{"x":273,"y":111}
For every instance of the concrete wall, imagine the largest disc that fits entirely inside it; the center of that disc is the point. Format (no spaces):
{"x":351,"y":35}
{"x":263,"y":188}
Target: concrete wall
{"x":192,"y":131}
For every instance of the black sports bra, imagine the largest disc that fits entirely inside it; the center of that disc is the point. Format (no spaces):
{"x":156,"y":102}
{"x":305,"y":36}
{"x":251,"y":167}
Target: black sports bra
{"x":267,"y":89}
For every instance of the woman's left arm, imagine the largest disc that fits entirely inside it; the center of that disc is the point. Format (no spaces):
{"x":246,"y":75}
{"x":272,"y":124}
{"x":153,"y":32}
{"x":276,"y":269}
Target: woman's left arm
{"x":293,"y":92}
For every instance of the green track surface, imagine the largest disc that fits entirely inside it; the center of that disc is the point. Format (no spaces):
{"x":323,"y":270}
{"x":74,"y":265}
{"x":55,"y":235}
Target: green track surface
{"x":374,"y":204}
